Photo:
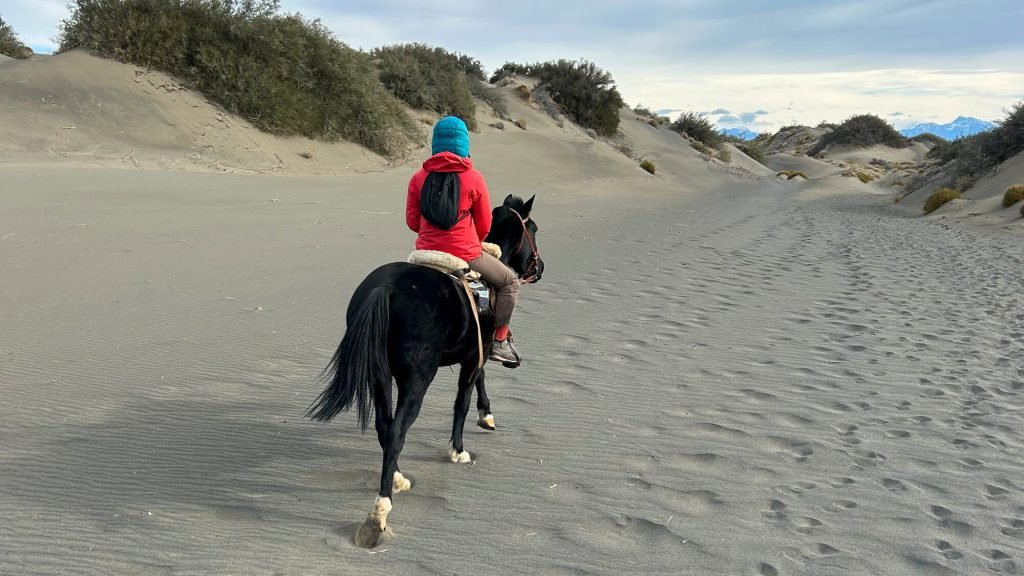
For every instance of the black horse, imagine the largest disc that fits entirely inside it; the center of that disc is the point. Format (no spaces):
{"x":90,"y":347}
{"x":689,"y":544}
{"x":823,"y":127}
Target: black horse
{"x":405,"y":321}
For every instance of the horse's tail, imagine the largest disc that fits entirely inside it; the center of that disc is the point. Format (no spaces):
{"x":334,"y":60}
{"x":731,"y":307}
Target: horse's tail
{"x":360,"y":362}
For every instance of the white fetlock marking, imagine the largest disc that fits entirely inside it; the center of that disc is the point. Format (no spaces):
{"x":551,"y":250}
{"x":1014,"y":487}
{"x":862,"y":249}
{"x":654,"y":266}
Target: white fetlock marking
{"x":400,"y":483}
{"x":458,"y":457}
{"x":381,"y":508}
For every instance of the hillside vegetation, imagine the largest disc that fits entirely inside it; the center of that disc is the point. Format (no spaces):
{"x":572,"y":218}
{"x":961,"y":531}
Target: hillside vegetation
{"x":585,"y":92}
{"x":285,"y":74}
{"x":10,"y":44}
{"x":860,"y":131}
{"x":430,"y":78}
{"x":968,"y":159}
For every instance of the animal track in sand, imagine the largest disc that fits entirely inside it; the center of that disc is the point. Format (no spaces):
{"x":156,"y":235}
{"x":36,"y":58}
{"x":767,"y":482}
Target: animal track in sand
{"x":1013,"y":527}
{"x":947,"y":550}
{"x":893,"y":485}
{"x":999,"y":562}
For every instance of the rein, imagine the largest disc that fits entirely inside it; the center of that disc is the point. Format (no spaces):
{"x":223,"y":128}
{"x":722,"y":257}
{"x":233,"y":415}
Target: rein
{"x":530,"y":274}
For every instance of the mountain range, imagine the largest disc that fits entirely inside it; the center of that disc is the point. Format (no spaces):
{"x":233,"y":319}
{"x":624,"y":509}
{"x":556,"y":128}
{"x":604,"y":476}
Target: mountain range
{"x":741,"y":133}
{"x":958,"y":128}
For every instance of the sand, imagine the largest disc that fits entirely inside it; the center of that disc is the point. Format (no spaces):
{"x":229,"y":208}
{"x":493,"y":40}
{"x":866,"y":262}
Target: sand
{"x":726,"y":374}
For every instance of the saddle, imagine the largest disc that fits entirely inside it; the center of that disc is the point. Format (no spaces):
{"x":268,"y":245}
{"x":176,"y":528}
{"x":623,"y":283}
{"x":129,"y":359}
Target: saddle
{"x":458,"y":269}
{"x":478,"y":292}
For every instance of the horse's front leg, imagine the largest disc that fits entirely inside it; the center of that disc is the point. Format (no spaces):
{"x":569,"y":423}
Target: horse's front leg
{"x":485,"y":419}
{"x":467,"y":376}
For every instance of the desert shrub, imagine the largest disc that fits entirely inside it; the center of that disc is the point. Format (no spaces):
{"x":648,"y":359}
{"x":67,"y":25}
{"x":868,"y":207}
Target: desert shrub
{"x":700,"y":147}
{"x":863,"y":130}
{"x":10,"y":44}
{"x":1013,"y":195}
{"x":827,"y":125}
{"x":653,"y":118}
{"x":429,"y":78}
{"x":940,"y":197}
{"x":753,"y":150}
{"x":626,"y":149}
{"x":490,"y":96}
{"x":521,"y":123}
{"x":547,"y":102}
{"x":584,"y":91}
{"x":865,"y":178}
{"x":498,"y":125}
{"x":699,"y":128}
{"x":929,"y":138}
{"x":724,"y":155}
{"x":790,"y":174}
{"x":285,"y":74}
{"x":523,"y":92}
{"x":647,"y":165}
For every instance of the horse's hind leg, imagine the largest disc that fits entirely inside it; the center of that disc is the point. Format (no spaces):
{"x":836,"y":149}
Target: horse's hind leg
{"x":410,"y":399}
{"x":382,"y":407}
{"x":485,"y":419}
{"x":467,"y":376}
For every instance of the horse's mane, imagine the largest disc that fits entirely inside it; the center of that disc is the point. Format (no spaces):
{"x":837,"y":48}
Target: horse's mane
{"x":516,"y":203}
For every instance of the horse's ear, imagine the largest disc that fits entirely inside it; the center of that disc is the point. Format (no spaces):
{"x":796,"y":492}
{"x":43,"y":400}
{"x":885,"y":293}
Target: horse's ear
{"x":508,"y":200}
{"x":528,"y":207}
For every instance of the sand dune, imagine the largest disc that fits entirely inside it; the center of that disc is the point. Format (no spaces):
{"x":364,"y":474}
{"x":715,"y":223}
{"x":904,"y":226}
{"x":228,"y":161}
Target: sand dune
{"x":726,"y":373}
{"x":89,"y":111}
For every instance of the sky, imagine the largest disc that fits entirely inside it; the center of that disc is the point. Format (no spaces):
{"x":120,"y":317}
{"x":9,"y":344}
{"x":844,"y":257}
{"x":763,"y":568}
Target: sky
{"x":758,"y":65}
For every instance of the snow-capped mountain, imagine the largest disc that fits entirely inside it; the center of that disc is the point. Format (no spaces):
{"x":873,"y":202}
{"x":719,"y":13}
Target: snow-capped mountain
{"x":741,"y":133}
{"x":962,"y":126}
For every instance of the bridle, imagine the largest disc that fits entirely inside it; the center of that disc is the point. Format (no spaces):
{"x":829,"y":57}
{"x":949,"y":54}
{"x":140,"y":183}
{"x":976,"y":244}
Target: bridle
{"x":530,"y":274}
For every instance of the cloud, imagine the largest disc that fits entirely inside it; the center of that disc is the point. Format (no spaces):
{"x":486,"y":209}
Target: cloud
{"x":720,"y":111}
{"x":729,"y":119}
{"x":751,"y":116}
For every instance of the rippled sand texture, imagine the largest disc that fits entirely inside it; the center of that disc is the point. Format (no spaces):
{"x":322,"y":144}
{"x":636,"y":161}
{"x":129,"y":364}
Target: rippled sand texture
{"x":732,"y":380}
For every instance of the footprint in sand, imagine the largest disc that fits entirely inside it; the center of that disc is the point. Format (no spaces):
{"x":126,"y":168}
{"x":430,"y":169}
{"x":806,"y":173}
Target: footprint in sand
{"x":1013,"y":527}
{"x":999,"y":562}
{"x":947,"y":550}
{"x":893,"y":485}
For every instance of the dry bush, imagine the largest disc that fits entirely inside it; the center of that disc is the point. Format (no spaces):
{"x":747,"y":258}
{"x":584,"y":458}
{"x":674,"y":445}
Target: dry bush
{"x":865,"y":178}
{"x":940,"y":197}
{"x":647,"y":165}
{"x":1013,"y":195}
{"x":523,"y":92}
{"x":521,"y":123}
{"x":698,"y":127}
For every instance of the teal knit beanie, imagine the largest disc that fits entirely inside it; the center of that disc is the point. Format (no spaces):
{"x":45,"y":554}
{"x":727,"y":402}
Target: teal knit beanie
{"x":450,"y":135}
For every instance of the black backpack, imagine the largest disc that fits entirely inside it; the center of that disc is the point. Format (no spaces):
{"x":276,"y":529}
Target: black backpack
{"x":440,"y":199}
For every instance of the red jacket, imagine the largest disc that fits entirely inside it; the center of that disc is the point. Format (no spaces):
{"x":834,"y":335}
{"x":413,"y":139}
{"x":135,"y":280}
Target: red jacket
{"x":463,"y":240}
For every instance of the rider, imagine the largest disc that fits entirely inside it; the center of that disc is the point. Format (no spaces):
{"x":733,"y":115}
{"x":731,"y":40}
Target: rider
{"x":450,"y":149}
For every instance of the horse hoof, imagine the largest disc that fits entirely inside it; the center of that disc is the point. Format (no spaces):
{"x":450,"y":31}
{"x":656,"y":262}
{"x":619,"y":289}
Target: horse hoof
{"x":400,"y":483}
{"x":458,"y":457}
{"x":486,"y":421}
{"x":368,"y":535}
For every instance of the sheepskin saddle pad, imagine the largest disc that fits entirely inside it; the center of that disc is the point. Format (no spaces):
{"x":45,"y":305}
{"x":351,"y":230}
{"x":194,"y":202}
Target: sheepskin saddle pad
{"x":449,"y":264}
{"x":458,"y":269}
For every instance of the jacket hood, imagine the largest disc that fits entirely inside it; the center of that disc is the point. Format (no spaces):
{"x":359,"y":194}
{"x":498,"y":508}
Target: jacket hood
{"x":447,"y":162}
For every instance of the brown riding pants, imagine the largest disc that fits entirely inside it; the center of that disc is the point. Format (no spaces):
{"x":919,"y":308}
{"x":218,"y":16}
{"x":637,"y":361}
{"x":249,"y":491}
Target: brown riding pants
{"x":505,"y":282}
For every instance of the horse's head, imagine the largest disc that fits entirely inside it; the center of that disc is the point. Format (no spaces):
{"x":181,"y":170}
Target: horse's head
{"x":515,"y":232}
